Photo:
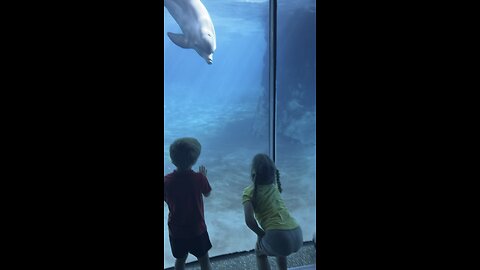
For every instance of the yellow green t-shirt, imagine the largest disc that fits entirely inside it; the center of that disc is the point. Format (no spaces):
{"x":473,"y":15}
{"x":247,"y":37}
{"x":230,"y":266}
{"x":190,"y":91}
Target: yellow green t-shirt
{"x":270,"y":210}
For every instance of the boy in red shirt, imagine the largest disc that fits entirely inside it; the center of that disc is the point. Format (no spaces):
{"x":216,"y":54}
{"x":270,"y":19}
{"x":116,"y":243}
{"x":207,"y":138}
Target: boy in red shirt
{"x":183,"y":191}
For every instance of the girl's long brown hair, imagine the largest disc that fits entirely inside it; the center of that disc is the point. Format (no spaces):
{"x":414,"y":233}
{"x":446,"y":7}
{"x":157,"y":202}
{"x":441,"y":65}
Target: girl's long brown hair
{"x":264,"y":172}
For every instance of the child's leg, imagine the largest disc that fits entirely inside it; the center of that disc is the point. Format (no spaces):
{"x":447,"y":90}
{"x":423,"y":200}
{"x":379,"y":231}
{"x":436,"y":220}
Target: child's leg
{"x":262,"y":259}
{"x":205,"y":262}
{"x":180,"y":263}
{"x":282,"y":262}
{"x":199,"y":248}
{"x":179,"y":251}
{"x":262,"y":262}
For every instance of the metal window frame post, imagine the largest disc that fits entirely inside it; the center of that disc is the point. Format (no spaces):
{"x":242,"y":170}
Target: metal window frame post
{"x":272,"y":76}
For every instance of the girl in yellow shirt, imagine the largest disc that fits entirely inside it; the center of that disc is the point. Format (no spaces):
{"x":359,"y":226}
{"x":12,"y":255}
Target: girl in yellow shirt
{"x":279,"y":234}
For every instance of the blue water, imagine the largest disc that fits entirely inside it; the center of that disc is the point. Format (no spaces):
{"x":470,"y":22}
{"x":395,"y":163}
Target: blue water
{"x":225,"y":106}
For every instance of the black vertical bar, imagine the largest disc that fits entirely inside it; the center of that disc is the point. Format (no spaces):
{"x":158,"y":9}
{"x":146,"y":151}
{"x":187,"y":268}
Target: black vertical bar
{"x":272,"y":75}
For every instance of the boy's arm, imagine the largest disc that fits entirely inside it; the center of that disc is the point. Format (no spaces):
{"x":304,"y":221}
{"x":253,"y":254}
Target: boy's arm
{"x":250,"y":219}
{"x":206,"y":188}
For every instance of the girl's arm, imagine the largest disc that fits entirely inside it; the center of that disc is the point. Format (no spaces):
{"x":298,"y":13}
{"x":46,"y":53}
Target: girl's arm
{"x":250,"y":219}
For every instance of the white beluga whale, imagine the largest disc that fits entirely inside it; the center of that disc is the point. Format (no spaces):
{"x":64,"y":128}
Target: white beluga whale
{"x":197,"y":27}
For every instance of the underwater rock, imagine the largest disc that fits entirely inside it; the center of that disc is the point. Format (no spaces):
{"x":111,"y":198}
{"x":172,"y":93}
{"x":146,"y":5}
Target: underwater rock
{"x":296,"y":89}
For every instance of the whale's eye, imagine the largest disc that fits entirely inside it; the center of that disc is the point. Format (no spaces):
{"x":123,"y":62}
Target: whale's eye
{"x":209,"y":35}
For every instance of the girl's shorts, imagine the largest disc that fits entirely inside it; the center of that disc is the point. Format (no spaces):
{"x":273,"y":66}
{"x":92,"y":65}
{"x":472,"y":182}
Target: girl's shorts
{"x":280,"y":242}
{"x":198,"y":246}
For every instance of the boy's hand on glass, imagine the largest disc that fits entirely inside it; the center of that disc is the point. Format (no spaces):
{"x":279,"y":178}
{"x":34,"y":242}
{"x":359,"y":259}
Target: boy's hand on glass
{"x":203,"y":170}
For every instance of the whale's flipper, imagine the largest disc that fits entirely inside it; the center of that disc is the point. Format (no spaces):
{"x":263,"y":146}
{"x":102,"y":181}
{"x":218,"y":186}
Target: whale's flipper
{"x":179,"y":39}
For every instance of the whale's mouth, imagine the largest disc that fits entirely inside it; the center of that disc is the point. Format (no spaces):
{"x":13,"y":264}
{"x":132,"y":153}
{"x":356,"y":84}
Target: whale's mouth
{"x":209,"y":58}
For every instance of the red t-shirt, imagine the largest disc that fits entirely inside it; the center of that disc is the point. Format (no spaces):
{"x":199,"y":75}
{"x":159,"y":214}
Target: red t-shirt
{"x":183,"y":195}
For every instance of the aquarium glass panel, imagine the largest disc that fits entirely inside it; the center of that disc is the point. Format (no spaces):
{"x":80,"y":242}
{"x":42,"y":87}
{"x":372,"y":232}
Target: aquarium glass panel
{"x":296,"y":109}
{"x":225,"y":106}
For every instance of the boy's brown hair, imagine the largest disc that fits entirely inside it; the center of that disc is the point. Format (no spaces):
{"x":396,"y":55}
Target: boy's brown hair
{"x":184,"y":152}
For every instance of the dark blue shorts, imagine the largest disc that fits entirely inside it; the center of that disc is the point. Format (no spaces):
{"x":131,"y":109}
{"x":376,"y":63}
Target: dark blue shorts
{"x":197,"y":246}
